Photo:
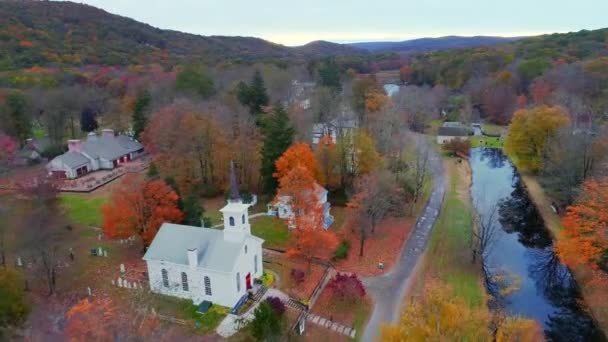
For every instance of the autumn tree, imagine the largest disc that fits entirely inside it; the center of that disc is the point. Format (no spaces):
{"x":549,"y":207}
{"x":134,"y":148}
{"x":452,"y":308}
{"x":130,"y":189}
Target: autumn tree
{"x":278,"y":136}
{"x":357,"y":156}
{"x":8,"y":150}
{"x":19,"y":124}
{"x":326,"y":155}
{"x":346,"y":289}
{"x":330,"y":74}
{"x":457,"y":147}
{"x":405,"y":73}
{"x":297,"y":154}
{"x":376,"y":197}
{"x":584,"y":239}
{"x":541,"y":91}
{"x":529,"y":133}
{"x":139,"y":207}
{"x":309,"y":239}
{"x":440,"y":316}
{"x":516,"y":329}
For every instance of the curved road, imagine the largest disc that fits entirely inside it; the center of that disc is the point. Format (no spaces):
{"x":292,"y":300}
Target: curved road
{"x":388,"y":289}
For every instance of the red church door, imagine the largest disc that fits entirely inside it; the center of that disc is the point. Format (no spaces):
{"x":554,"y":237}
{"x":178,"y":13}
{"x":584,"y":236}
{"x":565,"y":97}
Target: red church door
{"x":248,"y":281}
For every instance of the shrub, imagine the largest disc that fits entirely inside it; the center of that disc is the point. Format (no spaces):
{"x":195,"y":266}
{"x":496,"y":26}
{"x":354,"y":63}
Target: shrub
{"x":13,"y":306}
{"x":277,"y":305}
{"x":297,"y":276}
{"x":267,"y":279}
{"x":346,"y":288}
{"x":342,"y":250}
{"x":458,"y":147}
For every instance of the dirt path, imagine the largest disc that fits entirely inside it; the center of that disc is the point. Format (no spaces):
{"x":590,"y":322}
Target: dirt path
{"x":388,"y":290}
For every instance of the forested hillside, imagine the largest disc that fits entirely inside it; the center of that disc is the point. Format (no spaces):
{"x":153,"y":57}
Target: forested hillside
{"x":66,"y":33}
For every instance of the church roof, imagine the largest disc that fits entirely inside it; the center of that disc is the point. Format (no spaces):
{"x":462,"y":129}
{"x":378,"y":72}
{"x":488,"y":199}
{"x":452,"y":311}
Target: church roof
{"x":172,"y":242}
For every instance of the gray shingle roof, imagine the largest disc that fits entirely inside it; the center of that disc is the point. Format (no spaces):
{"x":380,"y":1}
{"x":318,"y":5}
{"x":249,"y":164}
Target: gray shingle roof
{"x":172,"y":242}
{"x":128,"y":143}
{"x":72,"y":159}
{"x":453,"y":131}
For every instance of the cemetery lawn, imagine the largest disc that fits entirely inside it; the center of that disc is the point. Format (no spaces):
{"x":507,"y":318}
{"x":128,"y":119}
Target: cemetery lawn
{"x":83,"y":208}
{"x":354,"y":315}
{"x":274,"y":231}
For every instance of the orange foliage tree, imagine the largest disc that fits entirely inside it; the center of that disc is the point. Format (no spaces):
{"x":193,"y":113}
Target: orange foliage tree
{"x":139,"y":207}
{"x":298,"y":154}
{"x":519,"y":329}
{"x":309,"y":239}
{"x":584,"y":239}
{"x":374,"y":101}
{"x":405,"y":73}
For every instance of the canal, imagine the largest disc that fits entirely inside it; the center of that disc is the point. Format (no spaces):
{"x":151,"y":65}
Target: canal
{"x":524,"y":275}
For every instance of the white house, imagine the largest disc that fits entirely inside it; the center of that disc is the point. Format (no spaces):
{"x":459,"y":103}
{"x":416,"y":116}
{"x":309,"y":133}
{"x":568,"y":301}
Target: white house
{"x":452,"y":130}
{"x":334,"y":129}
{"x":206,"y":264}
{"x":104,"y":152}
{"x":281,"y":207}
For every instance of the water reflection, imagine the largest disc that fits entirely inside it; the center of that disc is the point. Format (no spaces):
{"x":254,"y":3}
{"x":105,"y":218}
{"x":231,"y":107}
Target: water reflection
{"x":524,"y":250}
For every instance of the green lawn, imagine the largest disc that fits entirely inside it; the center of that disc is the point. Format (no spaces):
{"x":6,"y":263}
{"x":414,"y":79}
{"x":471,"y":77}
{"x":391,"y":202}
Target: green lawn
{"x":273,"y":230}
{"x":483,"y":141}
{"x":82,"y":209}
{"x":492,"y":129}
{"x":449,"y":255}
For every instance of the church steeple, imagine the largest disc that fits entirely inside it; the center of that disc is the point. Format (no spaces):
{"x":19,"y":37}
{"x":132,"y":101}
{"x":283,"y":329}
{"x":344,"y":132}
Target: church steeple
{"x":234,"y":196}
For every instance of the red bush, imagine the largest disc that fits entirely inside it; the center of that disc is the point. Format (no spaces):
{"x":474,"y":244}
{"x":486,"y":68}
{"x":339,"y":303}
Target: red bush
{"x":346,"y":288}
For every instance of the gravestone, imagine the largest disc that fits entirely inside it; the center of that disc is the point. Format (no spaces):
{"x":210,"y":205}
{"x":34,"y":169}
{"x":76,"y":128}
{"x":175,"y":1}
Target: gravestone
{"x":99,"y":251}
{"x":19,"y":262}
{"x":119,"y":282}
{"x":105,"y":253}
{"x":89,"y":291}
{"x":113,"y":282}
{"x":122,"y":268}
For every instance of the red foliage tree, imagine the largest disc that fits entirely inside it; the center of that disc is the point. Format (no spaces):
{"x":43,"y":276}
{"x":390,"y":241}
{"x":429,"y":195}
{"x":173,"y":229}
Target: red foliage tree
{"x":8,"y":148}
{"x":346,"y":288}
{"x":139,"y":207}
{"x":541,"y":91}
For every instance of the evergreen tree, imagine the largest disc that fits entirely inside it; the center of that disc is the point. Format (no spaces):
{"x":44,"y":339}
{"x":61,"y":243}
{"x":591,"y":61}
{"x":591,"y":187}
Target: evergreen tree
{"x":88,"y":120}
{"x":173,"y":184}
{"x":193,"y":211}
{"x":152,"y":171}
{"x":278,"y":136}
{"x":253,"y":96}
{"x":139,"y":113}
{"x":329,"y":74}
{"x":16,"y":104}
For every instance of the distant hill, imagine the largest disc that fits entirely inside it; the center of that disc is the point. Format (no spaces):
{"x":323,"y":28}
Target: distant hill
{"x":429,"y":44}
{"x":68,"y":33}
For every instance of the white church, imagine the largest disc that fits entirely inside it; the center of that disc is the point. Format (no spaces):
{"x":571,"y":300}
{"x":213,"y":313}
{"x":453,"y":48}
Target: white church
{"x":206,"y":264}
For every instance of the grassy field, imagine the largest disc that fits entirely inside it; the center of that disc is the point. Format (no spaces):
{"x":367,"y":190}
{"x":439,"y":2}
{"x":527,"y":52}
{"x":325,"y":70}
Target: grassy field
{"x":491,"y":129}
{"x":448,"y":257}
{"x":83,"y":209}
{"x":482,"y":141}
{"x":274,"y":231}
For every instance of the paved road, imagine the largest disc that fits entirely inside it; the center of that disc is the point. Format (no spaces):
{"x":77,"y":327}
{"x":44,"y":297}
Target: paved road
{"x":388,"y":290}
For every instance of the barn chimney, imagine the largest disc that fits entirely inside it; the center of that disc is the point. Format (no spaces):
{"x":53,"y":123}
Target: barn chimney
{"x":193,"y":257}
{"x":74,"y":145}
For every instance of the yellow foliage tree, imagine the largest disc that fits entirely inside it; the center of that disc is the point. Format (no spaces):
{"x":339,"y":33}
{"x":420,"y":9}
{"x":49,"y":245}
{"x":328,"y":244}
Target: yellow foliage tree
{"x":519,"y":329}
{"x":529,"y":132}
{"x":440,"y":316}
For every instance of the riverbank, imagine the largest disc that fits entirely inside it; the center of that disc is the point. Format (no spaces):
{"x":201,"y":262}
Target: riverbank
{"x":593,"y":294}
{"x":448,"y":256}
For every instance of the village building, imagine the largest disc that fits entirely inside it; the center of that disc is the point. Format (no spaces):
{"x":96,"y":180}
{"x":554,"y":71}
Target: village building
{"x":206,"y":264}
{"x":452,"y":130}
{"x":281,"y":207}
{"x":105,"y":152}
{"x":33,"y":150}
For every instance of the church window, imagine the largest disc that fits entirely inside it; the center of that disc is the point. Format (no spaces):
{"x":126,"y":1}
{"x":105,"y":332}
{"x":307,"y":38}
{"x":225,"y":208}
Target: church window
{"x":165,"y":277}
{"x":255,"y":263}
{"x":207,"y":286}
{"x":245,"y":249}
{"x":231,"y":219}
{"x":184,"y":281}
{"x":243,"y":219}
{"x":238,"y":282}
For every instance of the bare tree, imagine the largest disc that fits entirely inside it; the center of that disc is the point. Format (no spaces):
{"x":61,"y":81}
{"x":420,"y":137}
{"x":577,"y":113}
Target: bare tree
{"x":42,"y":227}
{"x":484,"y":235}
{"x":377,"y":196}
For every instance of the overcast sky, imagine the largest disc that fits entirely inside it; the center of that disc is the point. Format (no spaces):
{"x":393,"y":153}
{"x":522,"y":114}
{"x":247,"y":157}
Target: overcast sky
{"x":295,"y":22}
